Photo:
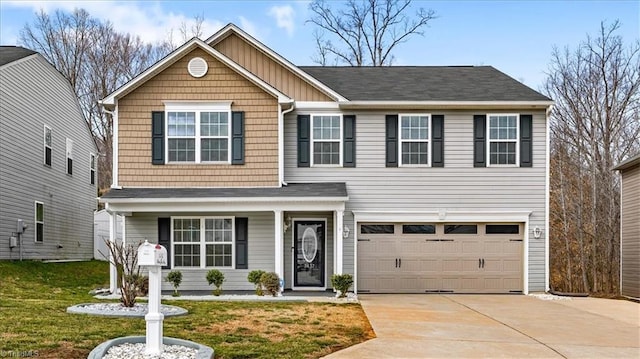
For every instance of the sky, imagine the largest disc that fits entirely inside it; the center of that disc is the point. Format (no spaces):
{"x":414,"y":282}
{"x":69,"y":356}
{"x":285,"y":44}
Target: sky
{"x":516,"y":37}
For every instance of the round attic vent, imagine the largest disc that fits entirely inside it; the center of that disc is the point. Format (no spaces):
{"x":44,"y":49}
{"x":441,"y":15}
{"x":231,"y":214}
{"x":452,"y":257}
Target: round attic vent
{"x":197,"y":67}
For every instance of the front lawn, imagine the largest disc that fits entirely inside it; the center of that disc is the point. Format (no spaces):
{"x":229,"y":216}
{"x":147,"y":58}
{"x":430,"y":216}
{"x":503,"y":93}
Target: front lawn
{"x":34,"y":297}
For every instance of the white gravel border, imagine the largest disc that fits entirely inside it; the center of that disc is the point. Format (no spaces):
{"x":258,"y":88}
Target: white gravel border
{"x":118,"y":310}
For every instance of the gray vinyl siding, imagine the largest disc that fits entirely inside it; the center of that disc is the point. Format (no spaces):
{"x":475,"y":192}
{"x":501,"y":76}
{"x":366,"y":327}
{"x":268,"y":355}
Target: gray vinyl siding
{"x":458,"y":186}
{"x":141,"y":226}
{"x":32,"y":94}
{"x":630,"y":236}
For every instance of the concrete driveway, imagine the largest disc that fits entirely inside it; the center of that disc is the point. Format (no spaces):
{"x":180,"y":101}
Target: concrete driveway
{"x":508,"y":326}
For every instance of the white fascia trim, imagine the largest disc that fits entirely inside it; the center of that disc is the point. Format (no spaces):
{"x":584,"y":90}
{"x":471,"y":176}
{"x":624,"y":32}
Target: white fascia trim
{"x":225,"y":200}
{"x":319,"y":105}
{"x":222,"y":33}
{"x":178,"y":53}
{"x":212,"y":207}
{"x":444,"y":104}
{"x":26,"y":58}
{"x":443,"y":216}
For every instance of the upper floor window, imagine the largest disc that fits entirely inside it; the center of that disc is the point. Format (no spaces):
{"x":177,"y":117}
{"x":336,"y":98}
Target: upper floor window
{"x":92,"y":168}
{"x":203,"y":242}
{"x":69,"y":156}
{"x":198,"y":133}
{"x":39,"y":221}
{"x":503,"y":139}
{"x":326,"y":139}
{"x":47,"y":145}
{"x":414,"y":139}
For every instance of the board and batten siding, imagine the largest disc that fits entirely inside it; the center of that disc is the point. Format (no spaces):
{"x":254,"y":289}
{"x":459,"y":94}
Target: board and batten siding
{"x":219,"y":84}
{"x":141,"y":226}
{"x":34,"y":94}
{"x":267,"y":69}
{"x":630,"y":234}
{"x":457,"y":186}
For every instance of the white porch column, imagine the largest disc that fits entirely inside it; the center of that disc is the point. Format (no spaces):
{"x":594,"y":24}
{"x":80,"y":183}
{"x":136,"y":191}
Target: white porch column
{"x":338,"y":260}
{"x":113,"y":272}
{"x":279,"y":244}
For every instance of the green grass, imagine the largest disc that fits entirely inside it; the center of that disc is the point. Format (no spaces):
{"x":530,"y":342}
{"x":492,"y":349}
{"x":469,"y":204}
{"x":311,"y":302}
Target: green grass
{"x":34,"y":297}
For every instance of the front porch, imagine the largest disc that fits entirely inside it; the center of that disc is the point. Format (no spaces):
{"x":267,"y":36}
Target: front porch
{"x":296,"y":231}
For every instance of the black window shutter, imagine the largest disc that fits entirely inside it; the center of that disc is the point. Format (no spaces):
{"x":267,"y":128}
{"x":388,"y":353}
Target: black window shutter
{"x":479,"y":141}
{"x":526,"y":143}
{"x":304,"y":141}
{"x":237,"y":138}
{"x":437,"y":141}
{"x":349,"y":141}
{"x":242,"y":243}
{"x":164,"y":238}
{"x":392,"y":141}
{"x":157,"y":137}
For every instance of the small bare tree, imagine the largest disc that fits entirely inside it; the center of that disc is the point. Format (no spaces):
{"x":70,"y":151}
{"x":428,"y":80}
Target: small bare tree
{"x":125,"y":258}
{"x":366,"y":31}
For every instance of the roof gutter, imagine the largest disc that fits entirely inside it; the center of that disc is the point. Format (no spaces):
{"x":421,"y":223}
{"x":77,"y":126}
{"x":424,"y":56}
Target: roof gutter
{"x":457,"y":105}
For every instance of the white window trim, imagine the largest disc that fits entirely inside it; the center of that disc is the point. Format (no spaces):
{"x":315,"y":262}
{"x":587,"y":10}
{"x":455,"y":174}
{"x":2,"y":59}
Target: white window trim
{"x":312,"y":140}
{"x":68,"y":155}
{"x":202,"y":243}
{"x":45,"y":146}
{"x":428,"y":140}
{"x":93,"y":170}
{"x":489,"y":140}
{"x":197,"y":108}
{"x":36,"y":222}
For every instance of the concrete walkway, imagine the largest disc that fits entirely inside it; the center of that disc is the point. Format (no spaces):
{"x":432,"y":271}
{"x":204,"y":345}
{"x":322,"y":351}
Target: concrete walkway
{"x":497,"y":326}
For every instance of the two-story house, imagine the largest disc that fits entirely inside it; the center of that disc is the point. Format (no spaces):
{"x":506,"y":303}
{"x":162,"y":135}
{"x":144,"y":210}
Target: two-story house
{"x":413,"y":179}
{"x":48,"y":162}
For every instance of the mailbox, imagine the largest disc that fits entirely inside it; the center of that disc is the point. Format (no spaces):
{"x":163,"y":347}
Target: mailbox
{"x":152,"y":255}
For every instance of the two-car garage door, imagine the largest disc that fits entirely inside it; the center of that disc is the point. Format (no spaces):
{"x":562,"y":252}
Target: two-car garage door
{"x":440,"y":258}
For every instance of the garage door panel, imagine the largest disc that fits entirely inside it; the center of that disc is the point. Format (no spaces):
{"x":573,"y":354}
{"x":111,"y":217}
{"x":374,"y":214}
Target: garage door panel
{"x":440,"y":262}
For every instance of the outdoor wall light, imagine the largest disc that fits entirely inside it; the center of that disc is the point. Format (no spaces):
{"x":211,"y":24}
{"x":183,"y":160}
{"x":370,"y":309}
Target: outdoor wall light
{"x":537,"y":232}
{"x":287,"y":225}
{"x":345,"y":232}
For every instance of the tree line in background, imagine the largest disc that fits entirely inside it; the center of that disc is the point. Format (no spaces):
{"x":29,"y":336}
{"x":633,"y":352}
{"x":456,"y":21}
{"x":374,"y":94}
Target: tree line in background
{"x":594,"y":124}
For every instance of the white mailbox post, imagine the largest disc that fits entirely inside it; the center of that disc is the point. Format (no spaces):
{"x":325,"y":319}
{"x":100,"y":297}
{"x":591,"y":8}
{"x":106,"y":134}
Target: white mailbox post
{"x":153,"y":257}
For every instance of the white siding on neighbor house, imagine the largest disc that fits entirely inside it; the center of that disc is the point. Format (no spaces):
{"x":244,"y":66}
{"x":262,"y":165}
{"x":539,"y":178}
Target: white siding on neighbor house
{"x":101,"y":234}
{"x":141,"y":226}
{"x":458,"y":186}
{"x":33,"y":94}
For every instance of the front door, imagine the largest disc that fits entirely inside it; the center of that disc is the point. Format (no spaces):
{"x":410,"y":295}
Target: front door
{"x":308,"y":260}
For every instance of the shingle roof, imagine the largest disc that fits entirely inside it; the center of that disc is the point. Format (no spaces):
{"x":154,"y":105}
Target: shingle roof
{"x":628,"y":163}
{"x":319,"y":190}
{"x":423,"y":83}
{"x":12,"y":53}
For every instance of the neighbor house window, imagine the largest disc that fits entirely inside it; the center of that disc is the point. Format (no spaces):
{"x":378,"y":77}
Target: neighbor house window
{"x":326,"y":139}
{"x":198,"y":133}
{"x":69,"y":156}
{"x":39,"y":221}
{"x":414,"y":139}
{"x":92,"y":168}
{"x":47,"y":145}
{"x":203,"y":242}
{"x":503,"y":139}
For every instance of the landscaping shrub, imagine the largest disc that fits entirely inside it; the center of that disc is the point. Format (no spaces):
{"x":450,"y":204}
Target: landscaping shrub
{"x":255,"y":277}
{"x":139,"y":283}
{"x":175,"y":278}
{"x":341,"y":283}
{"x":271,"y":283}
{"x":216,"y":278}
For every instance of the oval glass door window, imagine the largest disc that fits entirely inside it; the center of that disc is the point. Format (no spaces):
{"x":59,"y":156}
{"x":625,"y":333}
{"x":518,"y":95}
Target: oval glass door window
{"x":309,"y":245}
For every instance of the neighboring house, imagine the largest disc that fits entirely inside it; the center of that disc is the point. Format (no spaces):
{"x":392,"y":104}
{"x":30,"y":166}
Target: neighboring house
{"x":630,"y":227}
{"x":413,"y":179}
{"x":48,"y":161}
{"x":101,"y":233}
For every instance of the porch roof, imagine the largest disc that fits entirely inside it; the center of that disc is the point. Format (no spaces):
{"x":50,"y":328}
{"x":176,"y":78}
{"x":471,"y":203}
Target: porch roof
{"x":309,"y":191}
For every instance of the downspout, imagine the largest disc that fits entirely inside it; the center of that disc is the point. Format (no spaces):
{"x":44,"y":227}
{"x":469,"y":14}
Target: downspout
{"x":114,"y":145}
{"x":281,"y":141}
{"x":547,"y":271}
